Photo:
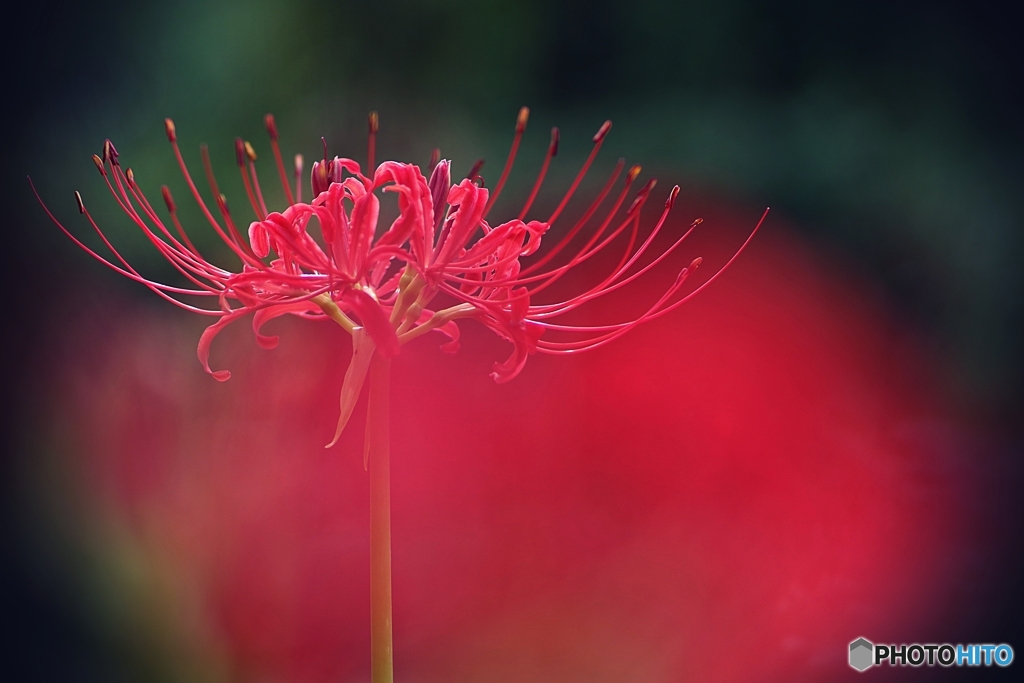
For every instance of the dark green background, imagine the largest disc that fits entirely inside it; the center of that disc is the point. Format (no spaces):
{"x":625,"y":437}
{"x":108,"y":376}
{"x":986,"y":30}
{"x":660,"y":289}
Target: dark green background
{"x":889,"y":133}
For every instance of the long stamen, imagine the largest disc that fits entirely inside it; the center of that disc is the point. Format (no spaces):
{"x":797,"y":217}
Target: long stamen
{"x":298,"y":178}
{"x":222,"y":204}
{"x":173,"y":139}
{"x":173,"y":210}
{"x":657,"y":311}
{"x":211,"y":180}
{"x":271,"y":125}
{"x":156,"y":287}
{"x":240,"y":160}
{"x":250,"y":154}
{"x":176,"y":254}
{"x":633,"y":172}
{"x":548,"y":156}
{"x":176,"y":251}
{"x":612,"y":281}
{"x":653,"y":312}
{"x":603,"y":289}
{"x":585,"y":253}
{"x":633,"y":212}
{"x":599,"y":137}
{"x":524,"y":116}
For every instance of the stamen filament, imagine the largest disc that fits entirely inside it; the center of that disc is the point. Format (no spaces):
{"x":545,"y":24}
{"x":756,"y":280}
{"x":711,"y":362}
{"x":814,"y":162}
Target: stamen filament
{"x":524,"y":116}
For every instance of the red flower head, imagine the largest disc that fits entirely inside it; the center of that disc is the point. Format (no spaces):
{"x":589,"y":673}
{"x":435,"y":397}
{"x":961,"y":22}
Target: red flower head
{"x":438,"y":262}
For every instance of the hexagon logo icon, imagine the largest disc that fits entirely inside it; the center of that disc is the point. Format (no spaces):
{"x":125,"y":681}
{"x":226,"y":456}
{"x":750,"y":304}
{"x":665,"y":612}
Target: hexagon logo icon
{"x":861,"y":651}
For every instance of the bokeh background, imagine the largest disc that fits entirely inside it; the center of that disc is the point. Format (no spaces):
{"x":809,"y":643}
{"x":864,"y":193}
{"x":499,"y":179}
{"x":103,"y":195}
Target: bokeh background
{"x":824,"y":445}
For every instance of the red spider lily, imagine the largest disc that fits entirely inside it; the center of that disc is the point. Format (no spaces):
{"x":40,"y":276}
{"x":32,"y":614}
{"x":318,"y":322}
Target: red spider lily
{"x":382,"y":289}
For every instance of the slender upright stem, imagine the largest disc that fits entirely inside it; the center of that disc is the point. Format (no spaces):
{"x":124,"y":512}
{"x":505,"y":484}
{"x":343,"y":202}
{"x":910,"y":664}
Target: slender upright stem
{"x":378,"y":445}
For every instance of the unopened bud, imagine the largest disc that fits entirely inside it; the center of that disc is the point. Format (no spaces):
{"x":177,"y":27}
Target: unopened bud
{"x":319,"y":179}
{"x":440,"y":182}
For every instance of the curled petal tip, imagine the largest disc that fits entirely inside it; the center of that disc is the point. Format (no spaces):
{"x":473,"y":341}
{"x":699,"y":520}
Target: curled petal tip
{"x":271,"y":125}
{"x":172,"y":134}
{"x":696,"y":262}
{"x":602,"y":131}
{"x":221,"y":375}
{"x":78,"y":200}
{"x":524,"y":116}
{"x":99,"y":164}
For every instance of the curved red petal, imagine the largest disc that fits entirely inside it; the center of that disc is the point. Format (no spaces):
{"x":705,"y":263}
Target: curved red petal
{"x":376,"y":322}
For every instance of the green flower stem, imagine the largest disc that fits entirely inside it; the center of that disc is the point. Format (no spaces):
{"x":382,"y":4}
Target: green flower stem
{"x":378,"y":448}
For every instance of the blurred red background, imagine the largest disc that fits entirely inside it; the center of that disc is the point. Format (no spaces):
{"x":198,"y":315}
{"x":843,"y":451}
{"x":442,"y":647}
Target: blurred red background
{"x":733,"y":492}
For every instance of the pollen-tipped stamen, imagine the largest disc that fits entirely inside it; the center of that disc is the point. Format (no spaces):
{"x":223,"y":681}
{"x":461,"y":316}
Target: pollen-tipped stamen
{"x":521,"y":120}
{"x":598,"y":141}
{"x":371,"y":145}
{"x":548,"y":156}
{"x":241,"y":161}
{"x":172,"y":209}
{"x":222,"y":205}
{"x":298,"y":177}
{"x":250,"y":154}
{"x":271,"y":126}
{"x":173,"y":139}
{"x":584,"y":219}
